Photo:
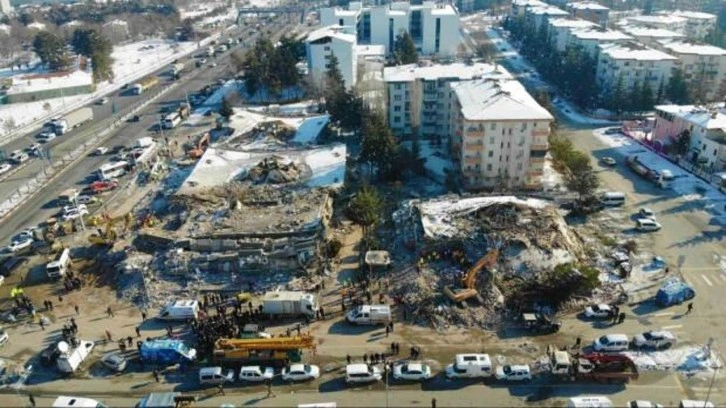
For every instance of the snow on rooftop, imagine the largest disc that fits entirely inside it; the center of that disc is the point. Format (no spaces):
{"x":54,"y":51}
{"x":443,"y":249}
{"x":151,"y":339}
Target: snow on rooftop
{"x":220,"y":166}
{"x":363,"y":51}
{"x":43,"y":82}
{"x":530,"y":3}
{"x":548,"y":10}
{"x":685,"y":47}
{"x":497,"y":99}
{"x":442,"y":11}
{"x":459,"y":71}
{"x":332,"y":31}
{"x":601,"y":35}
{"x":587,"y":5}
{"x":637,"y":31}
{"x":310,"y":129}
{"x":696,"y":15}
{"x":658,"y":19}
{"x":572,"y":23}
{"x":641,"y":54}
{"x":437,"y":214}
{"x":699,"y":115}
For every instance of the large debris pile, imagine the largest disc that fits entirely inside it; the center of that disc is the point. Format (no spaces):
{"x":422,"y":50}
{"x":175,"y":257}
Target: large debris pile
{"x":273,"y":170}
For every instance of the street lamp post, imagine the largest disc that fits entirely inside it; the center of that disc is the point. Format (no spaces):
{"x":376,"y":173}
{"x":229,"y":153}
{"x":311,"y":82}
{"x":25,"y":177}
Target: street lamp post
{"x":80,"y":214}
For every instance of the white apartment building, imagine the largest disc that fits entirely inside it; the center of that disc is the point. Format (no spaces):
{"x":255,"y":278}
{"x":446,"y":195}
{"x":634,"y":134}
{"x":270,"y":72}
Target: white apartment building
{"x":6,"y":7}
{"x":519,"y":7}
{"x":666,"y":22}
{"x":418,"y":95}
{"x":705,"y":64}
{"x":590,"y":11}
{"x":698,"y":24}
{"x":651,"y":36}
{"x":707,"y":127}
{"x":542,"y":14}
{"x":560,"y":29}
{"x":499,"y":134}
{"x":634,"y":63}
{"x":433,"y":27}
{"x":332,"y":40}
{"x":591,"y":40}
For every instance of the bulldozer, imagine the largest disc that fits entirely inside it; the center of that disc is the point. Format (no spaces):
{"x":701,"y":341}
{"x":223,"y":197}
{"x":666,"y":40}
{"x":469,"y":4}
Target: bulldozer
{"x":468,"y":282}
{"x":197,"y":151}
{"x":108,"y":236}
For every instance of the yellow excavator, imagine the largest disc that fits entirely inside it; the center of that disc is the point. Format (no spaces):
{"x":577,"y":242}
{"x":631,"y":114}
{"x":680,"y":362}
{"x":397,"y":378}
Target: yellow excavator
{"x":197,"y":151}
{"x":468,"y":282}
{"x":108,"y":236}
{"x":276,"y":351}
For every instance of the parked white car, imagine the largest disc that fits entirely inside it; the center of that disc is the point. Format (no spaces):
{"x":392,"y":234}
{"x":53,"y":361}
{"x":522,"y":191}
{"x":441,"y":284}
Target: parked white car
{"x":412,"y":372}
{"x":74,"y":214}
{"x":655,"y":339}
{"x":643,"y":404}
{"x":71,"y":208}
{"x":5,"y":167}
{"x":20,"y":244}
{"x":84,"y":199}
{"x":646,"y":213}
{"x":256,"y":373}
{"x":600,"y":310}
{"x":647,"y":225}
{"x":300,"y":372}
{"x":513,"y":373}
{"x":362,"y":373}
{"x":114,"y":362}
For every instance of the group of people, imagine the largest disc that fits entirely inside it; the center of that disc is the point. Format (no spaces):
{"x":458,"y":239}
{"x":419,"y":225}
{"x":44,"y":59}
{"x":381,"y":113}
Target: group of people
{"x":72,"y":282}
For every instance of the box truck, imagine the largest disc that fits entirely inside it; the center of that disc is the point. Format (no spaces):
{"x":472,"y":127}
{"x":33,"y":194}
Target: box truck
{"x":72,"y":120}
{"x":290,"y":303}
{"x":60,"y":264}
{"x":144,"y":85}
{"x":70,"y":358}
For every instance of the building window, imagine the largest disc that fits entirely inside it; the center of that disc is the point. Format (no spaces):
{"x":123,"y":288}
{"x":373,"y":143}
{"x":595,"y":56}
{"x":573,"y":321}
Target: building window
{"x":493,"y":126}
{"x":326,"y":48}
{"x":491,"y":153}
{"x":397,"y":87}
{"x":396,"y":119}
{"x":340,"y":22}
{"x":397,"y":108}
{"x":519,"y":166}
{"x":524,"y":126}
{"x":396,"y":97}
{"x":489,"y":167}
{"x":491,"y":139}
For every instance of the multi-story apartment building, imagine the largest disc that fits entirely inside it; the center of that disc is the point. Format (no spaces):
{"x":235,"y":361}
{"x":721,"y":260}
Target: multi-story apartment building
{"x":698,"y":25}
{"x":651,"y":36}
{"x":418,"y":95}
{"x":5,"y":7}
{"x":560,"y":28}
{"x":590,"y":11}
{"x":590,"y":41}
{"x":633,"y":64}
{"x":499,"y":134}
{"x":542,"y":14}
{"x":519,"y":7}
{"x":666,"y":22}
{"x":433,"y":27}
{"x":707,"y":129}
{"x":703,"y":65}
{"x":327,"y":41}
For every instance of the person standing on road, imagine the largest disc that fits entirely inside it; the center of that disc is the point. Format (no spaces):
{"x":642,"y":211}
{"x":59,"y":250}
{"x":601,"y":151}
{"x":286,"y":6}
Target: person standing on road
{"x":270,"y":393}
{"x":578,"y":341}
{"x":433,"y":402}
{"x":155,"y":373}
{"x":31,"y":398}
{"x":690,"y":308}
{"x":78,"y":309}
{"x":138,"y":331}
{"x":109,"y":312}
{"x":220,"y":389}
{"x":347,"y":357}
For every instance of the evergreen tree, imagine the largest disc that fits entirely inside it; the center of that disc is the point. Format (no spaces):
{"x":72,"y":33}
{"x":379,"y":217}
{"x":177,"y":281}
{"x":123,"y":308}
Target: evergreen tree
{"x":661,"y":92}
{"x":404,"y":50}
{"x":51,"y":49}
{"x":365,"y":208}
{"x":617,"y":99}
{"x":647,"y":99}
{"x":634,"y":98}
{"x":378,"y":145}
{"x":226,"y":110}
{"x":677,"y":89}
{"x":91,"y":43}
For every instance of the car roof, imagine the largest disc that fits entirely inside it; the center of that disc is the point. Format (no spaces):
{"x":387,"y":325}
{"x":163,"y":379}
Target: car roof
{"x":296,"y":367}
{"x":646,"y":221}
{"x":251,"y":368}
{"x":356,"y":368}
{"x":617,"y":336}
{"x":415,"y":367}
{"x":661,"y":333}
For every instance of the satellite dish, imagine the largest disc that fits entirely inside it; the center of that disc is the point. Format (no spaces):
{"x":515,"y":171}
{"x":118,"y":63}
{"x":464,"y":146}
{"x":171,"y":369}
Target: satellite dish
{"x":63,"y":347}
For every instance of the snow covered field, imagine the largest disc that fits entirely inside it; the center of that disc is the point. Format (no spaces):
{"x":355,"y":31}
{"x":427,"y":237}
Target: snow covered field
{"x":688,"y":359}
{"x":687,"y":185}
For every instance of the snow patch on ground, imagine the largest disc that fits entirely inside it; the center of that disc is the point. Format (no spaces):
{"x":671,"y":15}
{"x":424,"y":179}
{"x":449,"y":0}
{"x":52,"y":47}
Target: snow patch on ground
{"x":686,"y":359}
{"x":437,"y":162}
{"x":552,"y":180}
{"x":214,"y":100}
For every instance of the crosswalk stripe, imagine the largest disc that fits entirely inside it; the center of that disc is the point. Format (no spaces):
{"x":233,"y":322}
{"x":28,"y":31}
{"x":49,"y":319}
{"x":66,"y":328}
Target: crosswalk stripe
{"x":675,"y":326}
{"x":708,"y":282}
{"x":661,"y":314}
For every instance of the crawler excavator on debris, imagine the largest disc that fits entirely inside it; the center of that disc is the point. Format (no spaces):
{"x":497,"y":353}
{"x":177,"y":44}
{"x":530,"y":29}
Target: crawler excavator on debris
{"x":468,"y":289}
{"x":276,"y":351}
{"x":109,"y":235}
{"x":201,"y":146}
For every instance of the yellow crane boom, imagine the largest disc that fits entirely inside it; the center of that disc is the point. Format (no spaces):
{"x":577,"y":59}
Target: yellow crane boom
{"x":304,"y":341}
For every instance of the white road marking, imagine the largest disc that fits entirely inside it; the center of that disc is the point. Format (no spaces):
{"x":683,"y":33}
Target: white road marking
{"x":661,"y":314}
{"x":708,"y":282}
{"x":675,"y":326}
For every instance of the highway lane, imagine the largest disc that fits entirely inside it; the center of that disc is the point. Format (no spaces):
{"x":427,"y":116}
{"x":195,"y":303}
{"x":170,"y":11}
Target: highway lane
{"x":77,"y":176}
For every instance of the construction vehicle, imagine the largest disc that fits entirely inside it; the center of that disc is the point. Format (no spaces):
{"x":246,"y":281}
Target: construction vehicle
{"x":609,"y":368}
{"x":537,"y":323}
{"x":468,"y":282}
{"x":109,"y":235}
{"x":201,"y":147}
{"x":276,"y":352}
{"x":54,"y":228}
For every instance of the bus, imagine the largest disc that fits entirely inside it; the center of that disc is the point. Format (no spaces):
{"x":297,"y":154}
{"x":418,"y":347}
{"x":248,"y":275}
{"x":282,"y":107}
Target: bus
{"x":171,"y":120}
{"x":112,"y":170}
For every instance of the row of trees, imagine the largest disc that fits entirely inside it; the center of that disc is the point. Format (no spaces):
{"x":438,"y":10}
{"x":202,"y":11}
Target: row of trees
{"x":53,"y":51}
{"x":270,"y":68}
{"x":574,"y":74}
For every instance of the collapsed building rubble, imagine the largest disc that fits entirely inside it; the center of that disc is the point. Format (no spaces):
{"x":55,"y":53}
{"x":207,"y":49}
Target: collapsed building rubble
{"x":532,"y":238}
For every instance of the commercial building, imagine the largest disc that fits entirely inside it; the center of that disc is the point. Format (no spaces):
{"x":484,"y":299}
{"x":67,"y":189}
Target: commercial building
{"x":499,"y":136}
{"x":321,"y":44}
{"x":591,"y":40}
{"x":590,"y":11}
{"x":418,"y":95}
{"x":433,"y":27}
{"x":651,"y":36}
{"x":703,"y":65}
{"x":706,"y":127}
{"x":560,"y":29}
{"x":665,"y":22}
{"x":633,"y":63}
{"x":698,"y":25}
{"x":30,"y":88}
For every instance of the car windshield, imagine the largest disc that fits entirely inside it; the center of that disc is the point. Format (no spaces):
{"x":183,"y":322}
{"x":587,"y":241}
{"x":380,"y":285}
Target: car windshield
{"x":308,"y":368}
{"x":648,"y":336}
{"x":507,"y":369}
{"x":603,"y":339}
{"x":596,"y":308}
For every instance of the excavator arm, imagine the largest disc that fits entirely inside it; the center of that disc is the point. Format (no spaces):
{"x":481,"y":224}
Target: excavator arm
{"x":486,"y":261}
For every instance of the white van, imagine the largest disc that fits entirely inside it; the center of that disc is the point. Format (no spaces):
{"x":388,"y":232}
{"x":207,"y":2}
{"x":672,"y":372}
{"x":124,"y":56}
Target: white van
{"x":695,"y":404}
{"x":370,"y":314}
{"x":613,"y":198}
{"x":590,"y":401}
{"x":59,"y":266}
{"x":214,"y":376}
{"x":647,"y":225}
{"x":180,"y":310}
{"x":513,"y":373}
{"x":71,"y":358}
{"x":76,"y":402}
{"x":470,"y":366}
{"x":611,"y":342}
{"x":362,"y":373}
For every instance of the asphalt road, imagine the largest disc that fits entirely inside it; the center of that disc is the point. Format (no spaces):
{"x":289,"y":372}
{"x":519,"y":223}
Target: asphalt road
{"x":39,"y":208}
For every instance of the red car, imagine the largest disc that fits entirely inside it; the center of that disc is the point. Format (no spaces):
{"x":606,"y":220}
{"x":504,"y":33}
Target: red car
{"x":101,"y":186}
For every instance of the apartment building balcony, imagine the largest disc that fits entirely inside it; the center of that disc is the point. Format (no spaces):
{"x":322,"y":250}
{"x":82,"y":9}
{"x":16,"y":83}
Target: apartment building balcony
{"x":535,"y":172}
{"x":430,"y":97}
{"x":539,"y":147}
{"x":474,"y":146}
{"x":543,"y":132}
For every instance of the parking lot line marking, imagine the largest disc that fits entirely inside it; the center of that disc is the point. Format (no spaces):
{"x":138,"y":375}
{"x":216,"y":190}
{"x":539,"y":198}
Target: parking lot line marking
{"x":661,"y":314}
{"x":675,"y":326}
{"x":708,"y":282}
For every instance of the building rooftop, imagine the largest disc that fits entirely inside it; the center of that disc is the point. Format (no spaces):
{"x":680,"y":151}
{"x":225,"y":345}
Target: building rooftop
{"x":547,"y":11}
{"x":497,"y":99}
{"x":587,"y":5}
{"x":626,"y":52}
{"x":459,"y":70}
{"x":696,"y":15}
{"x":44,"y":82}
{"x":363,"y":51}
{"x":636,"y":31}
{"x":713,"y":118}
{"x":687,"y":47}
{"x":658,"y":19}
{"x":529,"y":3}
{"x":333,"y":31}
{"x":571,"y":23}
{"x":601,"y":35}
